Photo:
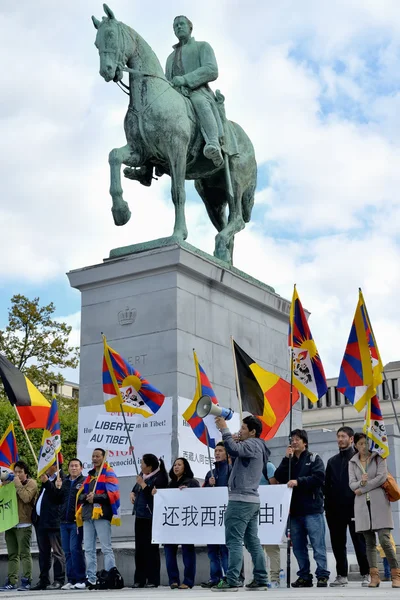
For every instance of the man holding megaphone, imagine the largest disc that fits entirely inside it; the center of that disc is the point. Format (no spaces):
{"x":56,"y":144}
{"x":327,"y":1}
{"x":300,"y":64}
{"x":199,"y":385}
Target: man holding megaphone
{"x":250,"y":454}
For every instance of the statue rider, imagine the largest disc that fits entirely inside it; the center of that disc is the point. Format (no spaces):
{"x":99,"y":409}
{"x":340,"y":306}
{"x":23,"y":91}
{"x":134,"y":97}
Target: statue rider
{"x":190,"y":68}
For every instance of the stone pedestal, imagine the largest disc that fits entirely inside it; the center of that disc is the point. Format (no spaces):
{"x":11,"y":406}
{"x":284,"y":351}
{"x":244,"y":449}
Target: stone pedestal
{"x":156,"y":305}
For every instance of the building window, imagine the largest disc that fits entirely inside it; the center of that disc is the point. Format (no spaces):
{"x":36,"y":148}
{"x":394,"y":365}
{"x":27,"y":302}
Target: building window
{"x":328,"y":398}
{"x":302,"y":401}
{"x":395,"y":388}
{"x":54,"y":388}
{"x":75,"y":393}
{"x":310,"y":404}
{"x":385,"y":391}
{"x":338,"y":400}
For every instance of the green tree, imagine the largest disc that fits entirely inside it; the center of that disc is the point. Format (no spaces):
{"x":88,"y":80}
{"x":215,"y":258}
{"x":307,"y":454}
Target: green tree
{"x":36,"y":343}
{"x":68,"y":414}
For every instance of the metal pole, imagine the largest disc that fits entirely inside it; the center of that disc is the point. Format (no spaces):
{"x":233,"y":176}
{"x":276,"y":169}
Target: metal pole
{"x":129,"y":438}
{"x":288,"y":531}
{"x":209,"y":453}
{"x":239,"y":397}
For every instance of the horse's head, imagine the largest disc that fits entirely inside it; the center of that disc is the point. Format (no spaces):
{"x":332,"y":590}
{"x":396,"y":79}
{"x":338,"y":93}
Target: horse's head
{"x":111,"y":44}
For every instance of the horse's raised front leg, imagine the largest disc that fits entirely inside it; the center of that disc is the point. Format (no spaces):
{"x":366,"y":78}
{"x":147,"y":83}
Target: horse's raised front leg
{"x":178,"y":172}
{"x":125,"y":155}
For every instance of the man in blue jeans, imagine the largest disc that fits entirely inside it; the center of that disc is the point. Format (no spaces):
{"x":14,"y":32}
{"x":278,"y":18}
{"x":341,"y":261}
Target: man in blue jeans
{"x":71,"y":534}
{"x":307,"y":478}
{"x":218,"y":553}
{"x":250,"y":453}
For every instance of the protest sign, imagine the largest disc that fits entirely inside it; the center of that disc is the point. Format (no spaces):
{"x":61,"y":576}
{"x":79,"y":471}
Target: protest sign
{"x":150,"y":435}
{"x":190,"y":446}
{"x":109,"y":431}
{"x":196,"y":515}
{"x":8,"y":507}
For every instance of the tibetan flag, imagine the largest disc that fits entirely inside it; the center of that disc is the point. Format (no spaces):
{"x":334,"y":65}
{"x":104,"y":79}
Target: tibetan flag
{"x":51,"y":440}
{"x":374,"y":428}
{"x":308,"y":372}
{"x":124,"y":387}
{"x":263,"y":394}
{"x":361,"y":369}
{"x":32,"y":406}
{"x":8,"y":448}
{"x":202,"y":428}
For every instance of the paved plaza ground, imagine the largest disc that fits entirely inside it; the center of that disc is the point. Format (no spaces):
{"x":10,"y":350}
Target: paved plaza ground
{"x":353,"y":590}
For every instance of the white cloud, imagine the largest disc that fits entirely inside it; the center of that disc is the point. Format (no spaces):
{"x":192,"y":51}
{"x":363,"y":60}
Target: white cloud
{"x":329,"y":216}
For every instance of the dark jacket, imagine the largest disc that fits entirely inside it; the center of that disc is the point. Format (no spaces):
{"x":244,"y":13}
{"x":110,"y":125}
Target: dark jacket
{"x":221,"y":472}
{"x":66,"y":497}
{"x":144,"y":500}
{"x":309,"y":471}
{"x":102,"y":499}
{"x":49,"y":508}
{"x":339,"y":498}
{"x":186,"y":481}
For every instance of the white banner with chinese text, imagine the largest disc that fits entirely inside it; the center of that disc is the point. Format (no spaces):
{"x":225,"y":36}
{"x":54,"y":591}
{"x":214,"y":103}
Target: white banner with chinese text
{"x":196,"y":515}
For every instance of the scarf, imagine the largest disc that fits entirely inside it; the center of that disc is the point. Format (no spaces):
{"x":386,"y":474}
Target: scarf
{"x":144,"y":477}
{"x":107,"y":483}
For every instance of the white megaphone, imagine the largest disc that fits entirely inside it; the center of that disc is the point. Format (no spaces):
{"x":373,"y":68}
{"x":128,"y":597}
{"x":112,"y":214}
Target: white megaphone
{"x":205,"y":406}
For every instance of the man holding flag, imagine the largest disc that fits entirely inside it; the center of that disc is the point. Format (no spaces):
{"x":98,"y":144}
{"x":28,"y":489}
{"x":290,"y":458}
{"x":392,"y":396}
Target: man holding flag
{"x":46,"y":514}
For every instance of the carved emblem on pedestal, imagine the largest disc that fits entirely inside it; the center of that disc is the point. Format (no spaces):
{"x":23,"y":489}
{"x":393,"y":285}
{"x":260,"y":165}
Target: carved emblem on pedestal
{"x":127,"y":316}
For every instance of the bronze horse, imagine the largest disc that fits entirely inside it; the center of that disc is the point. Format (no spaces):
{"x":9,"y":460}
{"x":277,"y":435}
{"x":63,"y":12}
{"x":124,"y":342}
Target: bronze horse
{"x":161,"y":130}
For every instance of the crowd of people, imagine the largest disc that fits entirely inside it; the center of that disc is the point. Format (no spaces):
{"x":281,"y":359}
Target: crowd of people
{"x":71,"y":512}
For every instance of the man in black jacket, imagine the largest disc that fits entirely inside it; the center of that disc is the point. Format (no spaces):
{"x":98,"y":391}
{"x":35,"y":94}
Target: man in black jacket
{"x":71,"y":535}
{"x":339,"y":509}
{"x":46,"y":518}
{"x":307,"y":476}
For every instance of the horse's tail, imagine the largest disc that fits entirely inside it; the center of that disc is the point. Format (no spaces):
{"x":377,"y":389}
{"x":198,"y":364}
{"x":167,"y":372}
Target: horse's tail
{"x":248,"y":200}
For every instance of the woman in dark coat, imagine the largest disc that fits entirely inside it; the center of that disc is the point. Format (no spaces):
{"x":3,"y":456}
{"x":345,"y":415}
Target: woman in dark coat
{"x":181,"y":476}
{"x":147,"y":555}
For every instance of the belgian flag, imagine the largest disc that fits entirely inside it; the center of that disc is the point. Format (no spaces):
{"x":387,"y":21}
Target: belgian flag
{"x":32,"y":406}
{"x":263,"y":394}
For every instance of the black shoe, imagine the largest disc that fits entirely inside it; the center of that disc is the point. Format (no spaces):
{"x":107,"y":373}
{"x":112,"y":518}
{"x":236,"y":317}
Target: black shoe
{"x":302,"y":583}
{"x":208,"y":584}
{"x":138,"y":585}
{"x":322,"y":582}
{"x":91,"y":586}
{"x":54,"y":586}
{"x":255,"y":585}
{"x":38,"y":587}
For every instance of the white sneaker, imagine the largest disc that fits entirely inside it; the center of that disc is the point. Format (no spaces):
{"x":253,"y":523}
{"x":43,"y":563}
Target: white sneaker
{"x":339,"y":582}
{"x":68,"y":586}
{"x":80,"y":586}
{"x":272,"y":584}
{"x":365,"y":580}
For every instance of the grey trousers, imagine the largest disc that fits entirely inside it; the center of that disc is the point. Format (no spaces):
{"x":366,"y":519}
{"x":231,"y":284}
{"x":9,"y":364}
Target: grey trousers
{"x":274,"y":554}
{"x":384,"y":540}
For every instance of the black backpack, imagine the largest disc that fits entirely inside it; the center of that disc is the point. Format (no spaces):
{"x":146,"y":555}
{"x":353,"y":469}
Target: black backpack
{"x":109,"y":580}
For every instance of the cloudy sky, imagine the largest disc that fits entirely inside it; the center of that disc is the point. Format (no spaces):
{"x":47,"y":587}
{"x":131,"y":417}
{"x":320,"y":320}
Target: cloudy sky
{"x":314,"y":83}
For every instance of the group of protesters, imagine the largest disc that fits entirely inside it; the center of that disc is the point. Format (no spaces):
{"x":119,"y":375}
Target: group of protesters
{"x":348,"y":490}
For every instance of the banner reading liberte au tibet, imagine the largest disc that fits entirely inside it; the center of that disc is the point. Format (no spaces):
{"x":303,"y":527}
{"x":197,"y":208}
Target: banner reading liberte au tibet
{"x":98,"y":428}
{"x":196,"y":515}
{"x":8,"y":507}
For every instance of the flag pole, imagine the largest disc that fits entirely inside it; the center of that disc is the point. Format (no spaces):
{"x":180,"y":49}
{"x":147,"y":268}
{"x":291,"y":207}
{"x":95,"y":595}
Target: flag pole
{"x":118,"y":393}
{"x":129,"y":438}
{"x":239,"y":397}
{"x":288,"y":531}
{"x":26,"y":435}
{"x":384,"y":374}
